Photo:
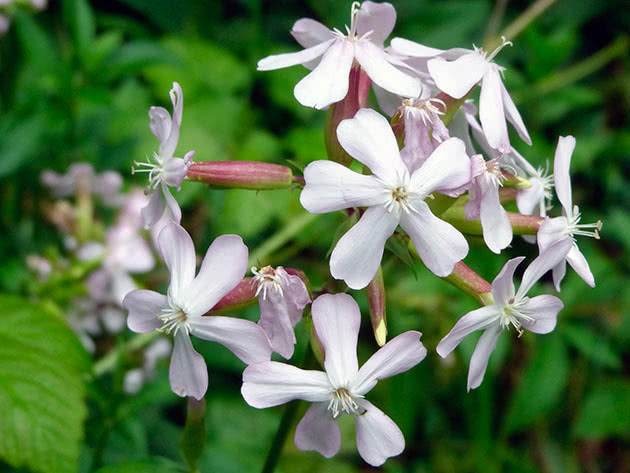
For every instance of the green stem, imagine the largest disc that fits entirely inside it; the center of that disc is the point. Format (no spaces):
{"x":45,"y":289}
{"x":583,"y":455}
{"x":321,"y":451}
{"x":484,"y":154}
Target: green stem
{"x":108,"y":362}
{"x":521,"y":22}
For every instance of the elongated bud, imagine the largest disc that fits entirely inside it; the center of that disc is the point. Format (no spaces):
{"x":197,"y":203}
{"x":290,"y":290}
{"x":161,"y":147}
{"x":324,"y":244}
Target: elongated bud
{"x":241,"y":175}
{"x":521,"y":224}
{"x":376,"y":302}
{"x":193,"y":440}
{"x":356,"y":98}
{"x":241,"y":297}
{"x":471,"y":283}
{"x":516,"y":182}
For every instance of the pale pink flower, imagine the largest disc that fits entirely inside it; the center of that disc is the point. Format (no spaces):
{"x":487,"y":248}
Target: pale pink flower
{"x":82,"y":178}
{"x":331,"y":53}
{"x":341,"y":389}
{"x":189,"y":298}
{"x":511,"y":308}
{"x":392,"y":197}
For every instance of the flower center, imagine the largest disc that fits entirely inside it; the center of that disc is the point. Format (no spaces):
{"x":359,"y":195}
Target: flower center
{"x":399,"y":200}
{"x":583,"y":229}
{"x":173,"y":318}
{"x":266,"y":279}
{"x":514,"y":313}
{"x":342,"y":400}
{"x":155,"y":171}
{"x":426,"y":110}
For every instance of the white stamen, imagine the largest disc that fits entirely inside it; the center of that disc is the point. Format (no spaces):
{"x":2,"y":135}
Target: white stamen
{"x":267,"y":279}
{"x":174,"y":319}
{"x":342,"y":400}
{"x":515,"y":313}
{"x":582,"y":229}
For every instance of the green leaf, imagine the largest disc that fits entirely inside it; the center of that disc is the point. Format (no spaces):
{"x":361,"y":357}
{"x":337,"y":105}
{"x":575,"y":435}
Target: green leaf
{"x":79,"y":17}
{"x":542,"y":384}
{"x":21,"y":140}
{"x":156,"y":465}
{"x":135,"y":56}
{"x":42,"y":365}
{"x":591,"y":345}
{"x":399,"y":245}
{"x":605,"y":411}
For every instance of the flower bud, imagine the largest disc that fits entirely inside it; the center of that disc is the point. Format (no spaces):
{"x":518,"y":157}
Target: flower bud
{"x":242,"y":296}
{"x":376,"y":302}
{"x":241,"y":175}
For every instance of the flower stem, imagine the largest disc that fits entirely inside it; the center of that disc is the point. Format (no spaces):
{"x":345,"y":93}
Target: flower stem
{"x":521,"y":22}
{"x":108,"y":362}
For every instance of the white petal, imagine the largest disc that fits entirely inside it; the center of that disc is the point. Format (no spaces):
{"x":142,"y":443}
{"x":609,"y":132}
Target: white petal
{"x":144,"y":307}
{"x":387,"y":102}
{"x":369,"y":139}
{"x":328,"y":82}
{"x":546,"y":260}
{"x":373,"y":60}
{"x":135,"y":255}
{"x":544,"y":310}
{"x":479,"y":360}
{"x":558,"y":272}
{"x":160,"y":122}
{"x":377,"y":18}
{"x":478,"y":319}
{"x":439,"y":244}
{"x":503,"y":284}
{"x":271,"y":383}
{"x":275,"y":321}
{"x":456,"y":78}
{"x":331,"y":186}
{"x":513,"y":116}
{"x":491,"y":111}
{"x":174,"y":171}
{"x":358,"y":253}
{"x":529,"y":201}
{"x":411,"y":48}
{"x":154,"y":210}
{"x":178,"y":252}
{"x":167,"y":148}
{"x":497,"y":230}
{"x":122,"y":284}
{"x":279,"y":61}
{"x":561,"y":177}
{"x":378,"y":437}
{"x":242,"y":337}
{"x":295,"y":294}
{"x":318,"y":431}
{"x":400,"y":354}
{"x":223,"y":267}
{"x":336,"y":318}
{"x":578,"y":262}
{"x":188,"y":372}
{"x":310,"y":33}
{"x":551,"y":231}
{"x":172,"y":206}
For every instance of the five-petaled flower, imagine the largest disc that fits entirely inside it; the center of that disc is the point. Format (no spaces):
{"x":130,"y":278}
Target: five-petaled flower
{"x":189,"y":298}
{"x":342,"y":387}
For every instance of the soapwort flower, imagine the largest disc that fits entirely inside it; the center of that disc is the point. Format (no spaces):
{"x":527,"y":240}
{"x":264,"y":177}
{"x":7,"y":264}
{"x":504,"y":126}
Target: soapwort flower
{"x":341,"y":389}
{"x":392,"y":196}
{"x":537,"y":314}
{"x":331,"y":53}
{"x":189,"y":298}
{"x":166,"y":170}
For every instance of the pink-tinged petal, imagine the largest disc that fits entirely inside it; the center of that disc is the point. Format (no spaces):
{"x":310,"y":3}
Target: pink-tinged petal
{"x":558,"y":272}
{"x":242,"y":337}
{"x":373,"y":60}
{"x":279,"y":61}
{"x":377,"y":18}
{"x":439,"y":244}
{"x":144,"y":307}
{"x":479,"y":360}
{"x":178,"y":252}
{"x":318,"y":431}
{"x":413,"y":49}
{"x":503,"y":284}
{"x":172,"y":206}
{"x":154,"y":210}
{"x":328,"y":82}
{"x":398,"y":355}
{"x":160,"y":122}
{"x":456,"y":78}
{"x":188,"y":373}
{"x":531,"y":201}
{"x":378,"y":437}
{"x":167,"y":148}
{"x":310,"y":33}
{"x":544,"y":310}
{"x":491,"y":111}
{"x":546,"y":260}
{"x":447,"y":167}
{"x":295,"y":294}
{"x":497,"y":230}
{"x":368,"y":138}
{"x":223,"y":267}
{"x":551,"y":231}
{"x":479,"y":319}
{"x":331,"y":186}
{"x":358,"y":253}
{"x":513,"y":116}
{"x":275,"y":321}
{"x":561,"y":177}
{"x":174,"y":171}
{"x":337,"y":319}
{"x":272,"y":383}
{"x":578,"y":262}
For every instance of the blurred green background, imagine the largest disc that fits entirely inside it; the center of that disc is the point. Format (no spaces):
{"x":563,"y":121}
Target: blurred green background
{"x":76,"y":82}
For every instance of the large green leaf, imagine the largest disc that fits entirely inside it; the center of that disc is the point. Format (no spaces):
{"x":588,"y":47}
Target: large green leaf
{"x":41,"y":389}
{"x":156,"y":465}
{"x":605,"y":411}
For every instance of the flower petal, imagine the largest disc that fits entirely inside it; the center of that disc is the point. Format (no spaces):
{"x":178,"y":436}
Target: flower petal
{"x":318,"y":431}
{"x":413,"y":49}
{"x":167,"y":148}
{"x":178,"y":252}
{"x":513,"y":116}
{"x":279,"y":61}
{"x":497,"y":230}
{"x":491,"y":111}
{"x":171,"y":204}
{"x":331,"y":186}
{"x":328,"y":82}
{"x":400,"y":354}
{"x":378,"y":437}
{"x":358,"y":253}
{"x":188,"y":372}
{"x":479,"y":360}
{"x":439,"y":244}
{"x":561,"y":177}
{"x":223,"y":267}
{"x":242,"y":337}
{"x":546,"y":260}
{"x":373,"y":60}
{"x":387,"y":102}
{"x":310,"y":33}
{"x":544,"y":310}
{"x":153,"y":211}
{"x":578,"y":262}
{"x":479,"y":319}
{"x":378,"y":19}
{"x":369,"y":139}
{"x":295,"y":294}
{"x":531,"y":201}
{"x":503,"y":284}
{"x":275,"y":321}
{"x":272,"y":383}
{"x":144,"y":307}
{"x":456,"y":78}
{"x":159,"y":122}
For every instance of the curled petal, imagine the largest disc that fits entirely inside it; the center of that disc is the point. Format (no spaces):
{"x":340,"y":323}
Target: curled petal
{"x":491,"y":112}
{"x":579,"y":264}
{"x":513,"y":116}
{"x":479,"y":319}
{"x":318,"y":431}
{"x":561,"y":177}
{"x":497,"y":230}
{"x":188,"y":372}
{"x":153,"y":211}
{"x":479,"y":360}
{"x":546,"y":260}
{"x":174,"y":211}
{"x":377,"y":18}
{"x":167,"y":148}
{"x":144,"y":307}
{"x":544,"y":310}
{"x":378,"y":437}
{"x":503,"y":284}
{"x":310,"y":33}
{"x":275,"y":321}
{"x":456,"y":78}
{"x":160,"y":122}
{"x":178,"y":252}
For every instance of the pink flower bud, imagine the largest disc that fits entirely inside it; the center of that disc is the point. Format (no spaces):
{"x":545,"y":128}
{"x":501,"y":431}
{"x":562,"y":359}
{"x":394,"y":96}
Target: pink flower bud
{"x":241,"y":175}
{"x":376,"y":302}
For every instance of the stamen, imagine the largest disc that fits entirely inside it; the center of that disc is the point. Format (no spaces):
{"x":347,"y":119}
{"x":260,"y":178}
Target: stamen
{"x":266,"y":277}
{"x":354,"y":9}
{"x":342,"y":400}
{"x":503,"y":44}
{"x":583,"y":229}
{"x":515,"y":313}
{"x":174,"y":319}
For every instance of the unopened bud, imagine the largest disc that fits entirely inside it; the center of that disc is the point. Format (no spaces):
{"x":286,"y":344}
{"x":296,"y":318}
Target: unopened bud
{"x":251,"y":175}
{"x":517,"y":182}
{"x":241,"y":297}
{"x":376,"y":302}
